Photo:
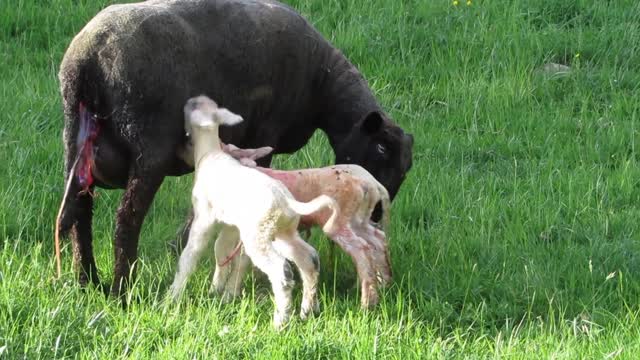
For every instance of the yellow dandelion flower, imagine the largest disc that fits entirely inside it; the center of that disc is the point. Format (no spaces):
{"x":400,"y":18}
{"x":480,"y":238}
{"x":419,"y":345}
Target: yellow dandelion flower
{"x":455,"y":2}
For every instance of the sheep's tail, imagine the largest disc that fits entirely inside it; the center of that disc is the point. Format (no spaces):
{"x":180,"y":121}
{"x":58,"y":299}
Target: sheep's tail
{"x":317,"y":204}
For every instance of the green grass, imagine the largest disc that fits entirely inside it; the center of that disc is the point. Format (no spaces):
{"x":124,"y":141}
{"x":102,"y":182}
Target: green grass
{"x":516,"y":234}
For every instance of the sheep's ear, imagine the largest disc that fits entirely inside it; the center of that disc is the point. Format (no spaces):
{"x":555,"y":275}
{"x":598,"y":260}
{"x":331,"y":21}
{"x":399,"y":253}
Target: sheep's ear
{"x":226,"y":117}
{"x":372,"y":123}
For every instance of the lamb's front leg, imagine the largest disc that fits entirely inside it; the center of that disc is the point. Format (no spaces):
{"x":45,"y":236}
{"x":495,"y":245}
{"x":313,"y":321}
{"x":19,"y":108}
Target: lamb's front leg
{"x":239,"y":268}
{"x":359,"y":250}
{"x":197,"y":244}
{"x":229,"y":261}
{"x":379,"y":252}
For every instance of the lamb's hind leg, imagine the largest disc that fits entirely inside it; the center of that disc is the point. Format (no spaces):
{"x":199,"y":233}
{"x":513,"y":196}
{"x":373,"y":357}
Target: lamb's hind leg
{"x":292,"y":247}
{"x":137,"y":198}
{"x":258,"y":246}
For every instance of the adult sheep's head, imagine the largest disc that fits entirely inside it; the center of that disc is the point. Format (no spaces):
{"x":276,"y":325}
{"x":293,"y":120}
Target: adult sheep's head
{"x":202,"y":112}
{"x":381,"y":147}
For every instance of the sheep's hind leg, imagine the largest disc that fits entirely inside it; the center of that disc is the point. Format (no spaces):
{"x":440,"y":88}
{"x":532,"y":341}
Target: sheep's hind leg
{"x":82,"y":240}
{"x":137,"y":198}
{"x":258,"y":246}
{"x":306,"y":258}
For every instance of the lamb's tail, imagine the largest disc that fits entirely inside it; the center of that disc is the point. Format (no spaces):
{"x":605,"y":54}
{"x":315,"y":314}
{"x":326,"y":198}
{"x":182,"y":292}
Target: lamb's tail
{"x":317,"y":204}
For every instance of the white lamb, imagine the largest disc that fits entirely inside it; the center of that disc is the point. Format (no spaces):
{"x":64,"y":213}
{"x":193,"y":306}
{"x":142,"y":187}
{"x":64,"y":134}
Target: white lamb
{"x":233,"y":199}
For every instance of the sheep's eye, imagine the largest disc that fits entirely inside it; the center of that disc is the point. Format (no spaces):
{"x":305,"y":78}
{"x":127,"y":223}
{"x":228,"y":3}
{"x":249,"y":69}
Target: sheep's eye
{"x":381,"y":148}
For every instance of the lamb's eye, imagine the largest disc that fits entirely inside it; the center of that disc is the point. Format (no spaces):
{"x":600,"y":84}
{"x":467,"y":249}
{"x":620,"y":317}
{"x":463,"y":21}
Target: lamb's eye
{"x":381,"y":148}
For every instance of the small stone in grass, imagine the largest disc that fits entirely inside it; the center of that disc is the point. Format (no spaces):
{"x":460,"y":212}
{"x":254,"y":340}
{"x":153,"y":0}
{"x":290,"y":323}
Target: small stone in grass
{"x":554,"y":69}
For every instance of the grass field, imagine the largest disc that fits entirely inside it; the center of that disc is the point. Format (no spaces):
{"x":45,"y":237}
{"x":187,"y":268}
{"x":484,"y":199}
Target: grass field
{"x":516,"y":234}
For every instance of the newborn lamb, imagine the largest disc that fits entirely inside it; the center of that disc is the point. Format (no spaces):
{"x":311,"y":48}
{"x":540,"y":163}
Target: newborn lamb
{"x":356,"y":192}
{"x":233,"y":199}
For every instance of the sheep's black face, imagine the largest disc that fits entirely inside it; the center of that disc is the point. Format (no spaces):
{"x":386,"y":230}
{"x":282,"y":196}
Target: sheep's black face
{"x":381,"y":147}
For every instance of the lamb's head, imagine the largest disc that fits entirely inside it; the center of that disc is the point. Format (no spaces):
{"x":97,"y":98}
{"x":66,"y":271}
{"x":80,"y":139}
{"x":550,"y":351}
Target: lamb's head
{"x":202,"y":112}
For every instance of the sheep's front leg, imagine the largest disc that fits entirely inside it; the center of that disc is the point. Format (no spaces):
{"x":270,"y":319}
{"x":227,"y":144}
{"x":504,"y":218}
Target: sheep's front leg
{"x":133,"y":208}
{"x":359,"y":250}
{"x":198,"y":240}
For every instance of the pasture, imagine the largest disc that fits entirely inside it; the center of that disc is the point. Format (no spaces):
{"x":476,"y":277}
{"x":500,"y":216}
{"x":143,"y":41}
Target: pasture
{"x":515,"y":235}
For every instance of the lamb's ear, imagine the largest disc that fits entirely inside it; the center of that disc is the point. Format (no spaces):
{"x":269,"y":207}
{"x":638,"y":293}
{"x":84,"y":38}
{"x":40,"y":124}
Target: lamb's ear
{"x":261,"y":152}
{"x":248,"y":162}
{"x":230,"y":147}
{"x":226,"y":117}
{"x":372,"y":123}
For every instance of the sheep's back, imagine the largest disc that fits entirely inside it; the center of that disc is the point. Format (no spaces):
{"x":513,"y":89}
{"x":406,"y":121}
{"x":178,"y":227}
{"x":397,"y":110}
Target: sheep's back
{"x":144,"y":60}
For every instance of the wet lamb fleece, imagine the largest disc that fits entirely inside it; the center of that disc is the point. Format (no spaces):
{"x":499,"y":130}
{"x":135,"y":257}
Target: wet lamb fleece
{"x":134,"y":66}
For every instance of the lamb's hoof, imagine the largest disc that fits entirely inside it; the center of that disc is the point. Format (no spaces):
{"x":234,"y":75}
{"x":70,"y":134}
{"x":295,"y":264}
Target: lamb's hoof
{"x":174,"y":294}
{"x":384,"y":278}
{"x":307,"y":313}
{"x":219,"y":282}
{"x":369,"y":299}
{"x":280,"y":321}
{"x":309,"y":308}
{"x":217,"y":289}
{"x":227,"y":297}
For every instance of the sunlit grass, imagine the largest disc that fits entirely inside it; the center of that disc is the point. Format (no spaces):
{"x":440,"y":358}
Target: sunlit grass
{"x":515,"y":234}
